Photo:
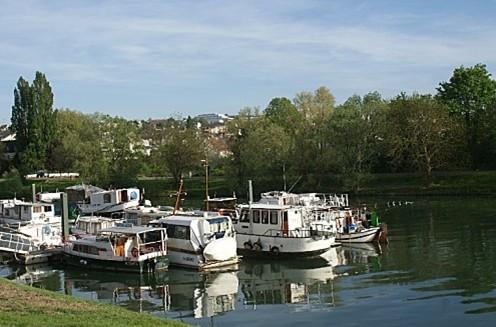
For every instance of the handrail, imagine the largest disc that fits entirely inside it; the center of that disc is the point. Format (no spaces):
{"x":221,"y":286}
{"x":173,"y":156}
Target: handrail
{"x":14,"y":242}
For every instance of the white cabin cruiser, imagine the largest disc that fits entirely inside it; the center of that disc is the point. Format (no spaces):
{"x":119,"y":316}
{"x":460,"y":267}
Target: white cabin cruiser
{"x":112,"y":201}
{"x":279,"y":230}
{"x":35,"y":221}
{"x":121,"y":248}
{"x":199,"y":241}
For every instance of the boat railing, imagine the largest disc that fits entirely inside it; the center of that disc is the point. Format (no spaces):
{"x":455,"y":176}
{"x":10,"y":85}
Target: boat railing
{"x":298,"y":233}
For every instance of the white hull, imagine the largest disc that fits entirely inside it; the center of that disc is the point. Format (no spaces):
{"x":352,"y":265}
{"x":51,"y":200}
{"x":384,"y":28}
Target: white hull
{"x":364,"y":236}
{"x":190,"y":260}
{"x":107,"y":208}
{"x":284,"y":245}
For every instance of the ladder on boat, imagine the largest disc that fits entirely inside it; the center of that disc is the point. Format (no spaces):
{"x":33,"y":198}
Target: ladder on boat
{"x":13,"y":242}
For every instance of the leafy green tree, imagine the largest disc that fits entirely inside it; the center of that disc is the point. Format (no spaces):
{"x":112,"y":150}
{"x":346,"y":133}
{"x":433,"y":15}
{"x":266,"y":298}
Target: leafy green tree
{"x":122,"y":148}
{"x":312,"y":139}
{"x":356,"y":129}
{"x":422,"y":135}
{"x":181,"y":150}
{"x":469,"y":95}
{"x":282,"y":112}
{"x":78,"y":146}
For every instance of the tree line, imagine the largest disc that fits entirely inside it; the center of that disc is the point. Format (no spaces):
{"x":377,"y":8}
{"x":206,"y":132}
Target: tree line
{"x":308,"y":140}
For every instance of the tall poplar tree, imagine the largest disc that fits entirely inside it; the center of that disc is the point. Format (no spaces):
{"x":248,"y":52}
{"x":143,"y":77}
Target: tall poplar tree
{"x":33,"y":121}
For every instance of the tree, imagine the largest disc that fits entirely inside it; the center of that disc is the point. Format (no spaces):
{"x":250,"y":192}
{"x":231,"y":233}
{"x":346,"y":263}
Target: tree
{"x":33,"y":121}
{"x":312,"y":139}
{"x":282,"y":112}
{"x":78,"y":146}
{"x":356,"y":129}
{"x":422,"y":135}
{"x":469,"y":94}
{"x":122,"y":148}
{"x":181,"y":150}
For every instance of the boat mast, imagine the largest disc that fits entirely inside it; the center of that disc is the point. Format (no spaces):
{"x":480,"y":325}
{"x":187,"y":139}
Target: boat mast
{"x":205,"y":164}
{"x":178,"y":197}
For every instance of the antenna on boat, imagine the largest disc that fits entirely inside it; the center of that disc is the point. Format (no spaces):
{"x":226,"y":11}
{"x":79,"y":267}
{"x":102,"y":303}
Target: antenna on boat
{"x":294,"y":184}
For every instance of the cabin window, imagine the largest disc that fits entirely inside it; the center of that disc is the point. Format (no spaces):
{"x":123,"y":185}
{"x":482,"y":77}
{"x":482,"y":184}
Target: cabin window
{"x":178,"y":232}
{"x":256,"y":216}
{"x":265,"y":217}
{"x":245,"y":218}
{"x":151,"y":237}
{"x":83,"y":248}
{"x":36,"y":209}
{"x":106,"y":198}
{"x":48,"y":208}
{"x":273,"y":217}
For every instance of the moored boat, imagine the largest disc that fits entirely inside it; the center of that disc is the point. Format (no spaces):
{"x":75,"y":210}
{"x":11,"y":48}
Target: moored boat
{"x":199,"y":241}
{"x":120,"y":248}
{"x":278,"y":230}
{"x":111,"y":201}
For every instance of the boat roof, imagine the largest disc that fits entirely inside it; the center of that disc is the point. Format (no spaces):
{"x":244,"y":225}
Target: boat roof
{"x":129,"y":229}
{"x":187,"y":219}
{"x":224,"y":199}
{"x":97,"y":219}
{"x":266,"y":206}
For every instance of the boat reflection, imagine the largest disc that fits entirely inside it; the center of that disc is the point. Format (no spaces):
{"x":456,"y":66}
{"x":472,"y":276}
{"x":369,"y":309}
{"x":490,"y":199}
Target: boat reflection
{"x":309,"y":283}
{"x":176,"y":293}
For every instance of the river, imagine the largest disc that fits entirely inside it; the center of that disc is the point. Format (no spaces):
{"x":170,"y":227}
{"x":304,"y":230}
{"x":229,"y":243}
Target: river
{"x":439,"y":269}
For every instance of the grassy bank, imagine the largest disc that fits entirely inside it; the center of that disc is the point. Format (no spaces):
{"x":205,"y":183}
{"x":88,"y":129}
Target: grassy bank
{"x":27,"y":306}
{"x":159,"y":190}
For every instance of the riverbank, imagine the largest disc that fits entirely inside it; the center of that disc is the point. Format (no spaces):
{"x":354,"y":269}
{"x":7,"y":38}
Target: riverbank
{"x":27,"y":306}
{"x":159,"y":190}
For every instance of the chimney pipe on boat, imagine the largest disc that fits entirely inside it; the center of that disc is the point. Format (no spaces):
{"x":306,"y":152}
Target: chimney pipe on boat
{"x":250,"y":192}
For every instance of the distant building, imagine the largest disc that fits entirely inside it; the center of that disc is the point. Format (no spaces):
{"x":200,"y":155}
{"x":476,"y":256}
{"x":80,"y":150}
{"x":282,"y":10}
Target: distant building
{"x":8,"y":140}
{"x":214,"y":119}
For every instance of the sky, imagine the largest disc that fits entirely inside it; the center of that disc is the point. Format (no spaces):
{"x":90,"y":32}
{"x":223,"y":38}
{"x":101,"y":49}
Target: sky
{"x":156,"y":59}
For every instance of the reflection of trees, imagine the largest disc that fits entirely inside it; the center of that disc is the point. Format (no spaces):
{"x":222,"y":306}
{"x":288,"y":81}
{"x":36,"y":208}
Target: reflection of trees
{"x":449,"y":242}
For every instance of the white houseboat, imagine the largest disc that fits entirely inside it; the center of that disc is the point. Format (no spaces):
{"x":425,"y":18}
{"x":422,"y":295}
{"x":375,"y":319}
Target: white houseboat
{"x":280,"y":230}
{"x":121,"y":248}
{"x":112,"y":201}
{"x":199,"y":241}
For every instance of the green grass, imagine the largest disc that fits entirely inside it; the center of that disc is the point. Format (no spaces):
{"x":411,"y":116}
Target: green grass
{"x":27,"y":306}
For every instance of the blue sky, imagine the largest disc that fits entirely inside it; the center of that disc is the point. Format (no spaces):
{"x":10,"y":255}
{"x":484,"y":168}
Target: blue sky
{"x":142,"y":59}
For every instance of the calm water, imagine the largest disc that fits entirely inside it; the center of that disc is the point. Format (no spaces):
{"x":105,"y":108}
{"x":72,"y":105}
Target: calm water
{"x":439,"y":269}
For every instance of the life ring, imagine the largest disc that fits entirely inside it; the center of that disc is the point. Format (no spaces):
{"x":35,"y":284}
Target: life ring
{"x":247,"y":245}
{"x":135,"y":252}
{"x":275,"y":250}
{"x":257,"y":246}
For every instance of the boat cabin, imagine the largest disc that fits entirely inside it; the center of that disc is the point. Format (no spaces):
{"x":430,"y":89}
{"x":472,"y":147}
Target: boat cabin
{"x":92,"y":225}
{"x":194,"y":232}
{"x":269,"y":219}
{"x":15,"y":211}
{"x":122,"y":241}
{"x":111,"y":201}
